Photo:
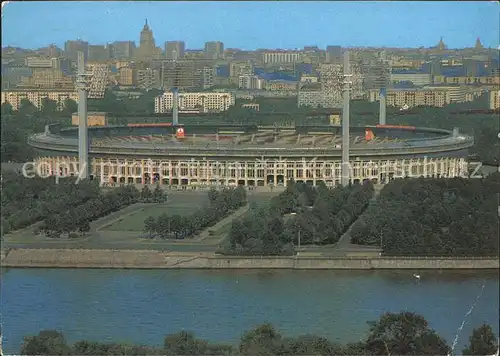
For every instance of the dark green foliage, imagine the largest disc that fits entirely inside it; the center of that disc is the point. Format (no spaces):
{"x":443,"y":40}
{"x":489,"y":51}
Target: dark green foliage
{"x":221,"y":204}
{"x":434,"y":217}
{"x":321,"y":215}
{"x":404,"y":334}
{"x":401,"y":333}
{"x":482,"y":342}
{"x":65,"y":207}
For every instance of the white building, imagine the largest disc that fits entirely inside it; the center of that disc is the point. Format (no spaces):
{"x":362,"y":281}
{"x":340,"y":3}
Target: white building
{"x":278,"y":56}
{"x":202,"y":102}
{"x":251,"y":82}
{"x":494,"y":99}
{"x":319,"y":98}
{"x":36,"y":97}
{"x":98,"y":80}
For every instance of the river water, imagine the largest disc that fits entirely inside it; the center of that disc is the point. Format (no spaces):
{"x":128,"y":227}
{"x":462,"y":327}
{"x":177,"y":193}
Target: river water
{"x":142,"y":306}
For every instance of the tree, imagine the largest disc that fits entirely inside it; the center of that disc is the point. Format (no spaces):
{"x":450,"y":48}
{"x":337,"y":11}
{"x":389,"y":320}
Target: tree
{"x":482,"y":342}
{"x":184,"y":343}
{"x":47,"y":342}
{"x":49,"y":107}
{"x":404,"y":334}
{"x":70,"y":107}
{"x":150,"y":225}
{"x":263,"y":340}
{"x":6,"y":109}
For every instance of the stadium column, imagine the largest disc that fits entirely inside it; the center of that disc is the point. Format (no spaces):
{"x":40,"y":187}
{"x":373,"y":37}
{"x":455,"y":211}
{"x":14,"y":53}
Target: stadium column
{"x":83,"y":143}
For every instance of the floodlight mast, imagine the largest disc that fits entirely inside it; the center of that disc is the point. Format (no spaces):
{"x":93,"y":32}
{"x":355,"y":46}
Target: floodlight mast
{"x":345,"y":122}
{"x":83,"y":138}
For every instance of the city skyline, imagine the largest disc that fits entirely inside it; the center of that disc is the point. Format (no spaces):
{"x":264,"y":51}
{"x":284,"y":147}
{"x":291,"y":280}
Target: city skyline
{"x":254,"y":25}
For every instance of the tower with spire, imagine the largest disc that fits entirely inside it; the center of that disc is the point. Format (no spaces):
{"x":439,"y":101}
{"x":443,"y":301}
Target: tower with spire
{"x":147,"y":45}
{"x":478,"y":45}
{"x":441,"y":46}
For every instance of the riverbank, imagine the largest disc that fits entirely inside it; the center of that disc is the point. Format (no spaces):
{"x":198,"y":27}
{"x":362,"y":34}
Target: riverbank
{"x":151,"y":259}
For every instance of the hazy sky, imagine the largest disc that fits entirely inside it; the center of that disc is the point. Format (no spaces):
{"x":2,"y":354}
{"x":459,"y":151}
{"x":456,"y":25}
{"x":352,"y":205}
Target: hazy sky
{"x":251,"y":25}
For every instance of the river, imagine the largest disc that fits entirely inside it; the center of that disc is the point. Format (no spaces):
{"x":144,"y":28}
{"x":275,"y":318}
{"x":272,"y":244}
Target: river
{"x":142,"y":306}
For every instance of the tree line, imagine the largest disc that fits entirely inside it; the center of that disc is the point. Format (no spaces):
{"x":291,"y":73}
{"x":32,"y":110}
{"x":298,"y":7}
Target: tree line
{"x":315,"y":215}
{"x":433,"y":217}
{"x":18,"y":125}
{"x":63,"y":208}
{"x":403,"y":333}
{"x":222,"y":203}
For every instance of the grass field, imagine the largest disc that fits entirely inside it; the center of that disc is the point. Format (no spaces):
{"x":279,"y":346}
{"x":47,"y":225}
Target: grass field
{"x":181,"y":203}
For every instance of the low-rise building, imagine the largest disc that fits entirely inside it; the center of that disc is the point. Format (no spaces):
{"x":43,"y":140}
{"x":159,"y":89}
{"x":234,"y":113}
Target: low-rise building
{"x":200,"y":102}
{"x":252,"y":106}
{"x":285,"y":85}
{"x":494,"y":99}
{"x":491,"y":80}
{"x":417,"y":78}
{"x":93,"y":119}
{"x":413,"y":97}
{"x":14,"y":97}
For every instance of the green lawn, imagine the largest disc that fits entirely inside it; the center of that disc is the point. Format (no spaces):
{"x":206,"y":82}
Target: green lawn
{"x":183,"y":204}
{"x":179,"y":203}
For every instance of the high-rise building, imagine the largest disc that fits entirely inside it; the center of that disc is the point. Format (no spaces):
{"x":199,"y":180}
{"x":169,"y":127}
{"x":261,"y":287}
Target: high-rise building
{"x":147,"y":47}
{"x":174,"y":48}
{"x":148,"y":78}
{"x":184,"y":74}
{"x":123,"y":50}
{"x":333,"y":54}
{"x":71,"y":49}
{"x":214,"y":50}
{"x":208,"y":77}
{"x":98,"y":53}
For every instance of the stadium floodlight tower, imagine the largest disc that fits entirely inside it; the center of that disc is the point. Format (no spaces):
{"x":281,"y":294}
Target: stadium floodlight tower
{"x":175,"y":95}
{"x":83,"y":137}
{"x":377,"y":76}
{"x":346,"y":169}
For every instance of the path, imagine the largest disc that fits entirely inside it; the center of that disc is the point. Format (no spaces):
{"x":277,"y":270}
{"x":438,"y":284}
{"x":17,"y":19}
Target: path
{"x":344,"y":242}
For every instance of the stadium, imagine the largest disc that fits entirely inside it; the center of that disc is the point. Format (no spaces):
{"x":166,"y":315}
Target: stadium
{"x":205,"y":155}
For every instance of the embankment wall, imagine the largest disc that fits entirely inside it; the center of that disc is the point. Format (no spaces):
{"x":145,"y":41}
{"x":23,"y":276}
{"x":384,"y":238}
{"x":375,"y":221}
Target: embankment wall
{"x":150,"y":259}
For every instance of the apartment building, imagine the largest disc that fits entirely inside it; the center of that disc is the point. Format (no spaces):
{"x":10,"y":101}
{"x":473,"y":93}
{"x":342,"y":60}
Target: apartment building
{"x":238,"y":68}
{"x":208,"y":77}
{"x":214,"y":50}
{"x":251,"y":82}
{"x":98,"y":80}
{"x":492,"y":80}
{"x":281,"y":56}
{"x":281,"y":85}
{"x":14,"y":97}
{"x":127,"y":76}
{"x":417,"y":78}
{"x":200,"y":102}
{"x":494,"y":99}
{"x":48,"y":78}
{"x":148,"y":78}
{"x":318,"y":99}
{"x":71,"y":49}
{"x":458,"y":93}
{"x":98,"y":53}
{"x":122,"y":50}
{"x":175,"y":49}
{"x":413,"y":97}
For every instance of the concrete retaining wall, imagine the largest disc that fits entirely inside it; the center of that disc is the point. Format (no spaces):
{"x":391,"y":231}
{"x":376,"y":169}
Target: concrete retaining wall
{"x":137,"y":259}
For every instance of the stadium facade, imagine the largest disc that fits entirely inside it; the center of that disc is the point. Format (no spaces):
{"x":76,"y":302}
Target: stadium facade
{"x":250,"y":155}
